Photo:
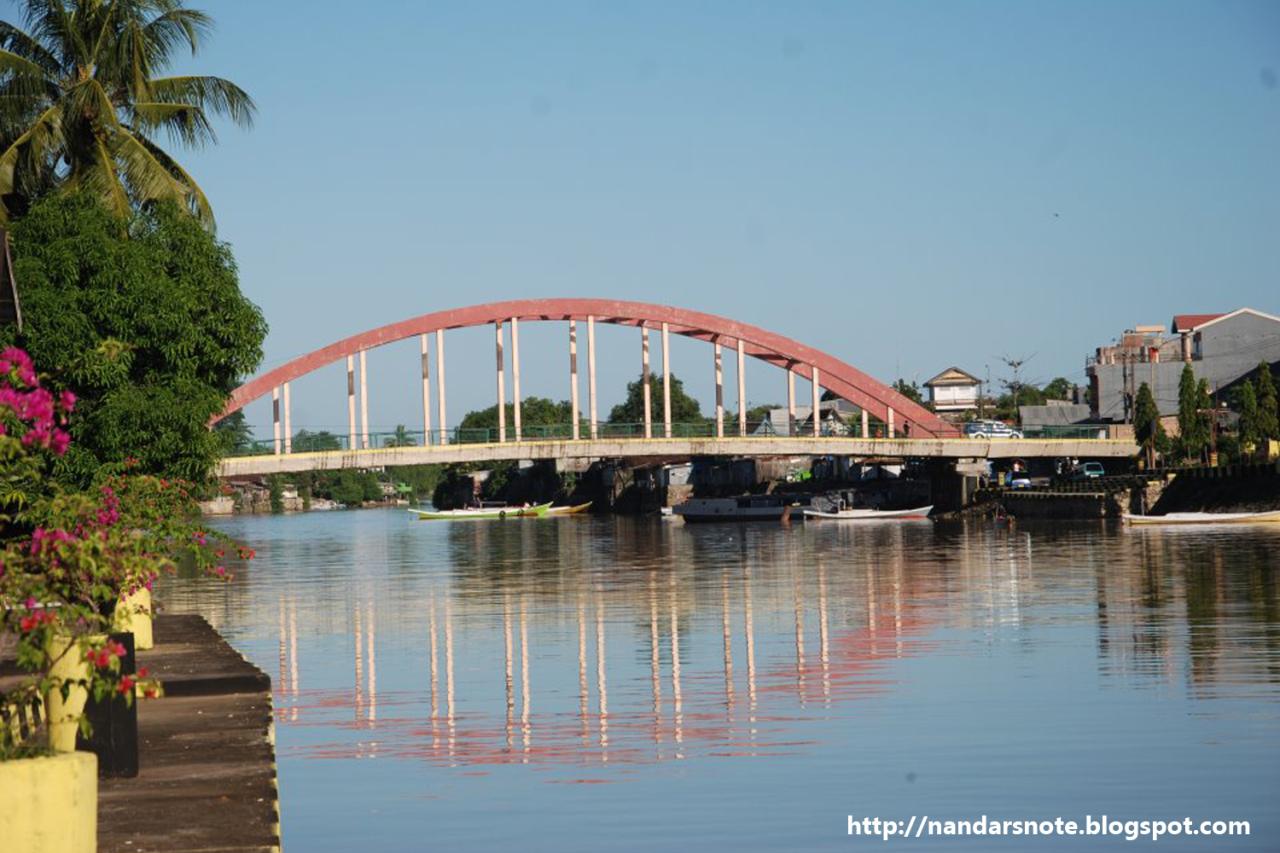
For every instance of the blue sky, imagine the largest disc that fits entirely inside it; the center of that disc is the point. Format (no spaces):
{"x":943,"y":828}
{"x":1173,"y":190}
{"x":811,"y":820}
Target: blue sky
{"x":906,"y":185}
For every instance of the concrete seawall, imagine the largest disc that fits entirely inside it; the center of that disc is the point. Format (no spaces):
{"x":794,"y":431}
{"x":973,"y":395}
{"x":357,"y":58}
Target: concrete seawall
{"x":207,"y":768}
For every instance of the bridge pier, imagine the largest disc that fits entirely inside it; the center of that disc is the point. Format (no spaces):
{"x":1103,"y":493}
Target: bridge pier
{"x":426,"y":390}
{"x":742,"y":388}
{"x":666,"y":380}
{"x":444,"y":421}
{"x":515,"y":373}
{"x":817,"y":400}
{"x":719,"y":366}
{"x":364,"y":400}
{"x":351,"y":403}
{"x":644,"y":379}
{"x":502,"y":385}
{"x":573,"y":377}
{"x":591,"y":374}
{"x":791,"y":399}
{"x":288,"y":422}
{"x":275,"y":420}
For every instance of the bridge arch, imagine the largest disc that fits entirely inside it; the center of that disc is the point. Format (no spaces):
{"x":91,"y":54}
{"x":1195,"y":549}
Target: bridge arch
{"x":837,"y":376}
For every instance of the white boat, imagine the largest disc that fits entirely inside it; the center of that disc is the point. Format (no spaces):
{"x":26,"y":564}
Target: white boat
{"x":1270,"y":517}
{"x":870,"y":514}
{"x":745,"y":508}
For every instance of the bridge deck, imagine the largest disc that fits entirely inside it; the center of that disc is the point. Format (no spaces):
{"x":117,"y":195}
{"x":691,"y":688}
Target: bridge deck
{"x":640,"y":448}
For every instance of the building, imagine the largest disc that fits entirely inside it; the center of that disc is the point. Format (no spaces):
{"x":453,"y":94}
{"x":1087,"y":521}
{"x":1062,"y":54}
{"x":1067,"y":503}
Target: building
{"x":1059,"y":419}
{"x":839,"y":417}
{"x":954,"y":390}
{"x":1219,"y":347}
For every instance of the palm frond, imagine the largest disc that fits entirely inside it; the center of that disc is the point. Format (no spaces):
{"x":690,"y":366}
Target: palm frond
{"x":14,"y":39}
{"x":184,"y":123}
{"x":214,"y":94}
{"x":196,"y":201}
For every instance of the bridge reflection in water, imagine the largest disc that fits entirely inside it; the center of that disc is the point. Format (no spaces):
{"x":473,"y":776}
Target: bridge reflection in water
{"x":801,"y":644}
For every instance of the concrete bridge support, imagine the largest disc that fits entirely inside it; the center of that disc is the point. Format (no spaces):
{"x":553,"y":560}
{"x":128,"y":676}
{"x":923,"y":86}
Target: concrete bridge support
{"x":573,"y":377}
{"x":644,"y":379}
{"x":444,"y":416}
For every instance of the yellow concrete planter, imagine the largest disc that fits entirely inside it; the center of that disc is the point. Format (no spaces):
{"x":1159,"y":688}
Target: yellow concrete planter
{"x":50,"y":804}
{"x":64,"y":714}
{"x":133,"y":613}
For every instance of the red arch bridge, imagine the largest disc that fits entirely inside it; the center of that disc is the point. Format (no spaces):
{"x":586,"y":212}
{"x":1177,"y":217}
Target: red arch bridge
{"x":902,"y":428}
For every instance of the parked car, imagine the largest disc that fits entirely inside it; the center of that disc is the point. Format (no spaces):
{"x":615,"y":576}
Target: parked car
{"x":1088,"y":471}
{"x":1019,"y":479}
{"x":990,"y":429}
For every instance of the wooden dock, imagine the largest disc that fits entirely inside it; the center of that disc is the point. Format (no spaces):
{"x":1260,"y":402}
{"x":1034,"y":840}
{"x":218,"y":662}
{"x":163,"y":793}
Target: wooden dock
{"x":207,"y":772}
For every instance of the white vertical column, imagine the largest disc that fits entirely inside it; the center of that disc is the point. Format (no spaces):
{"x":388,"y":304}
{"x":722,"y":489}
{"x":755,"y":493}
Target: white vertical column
{"x":666,"y":381}
{"x":719,"y":365}
{"x":742,"y":389}
{"x":502,"y":383}
{"x":591,"y":374}
{"x":275,"y":420}
{"x":890,"y":423}
{"x":444,"y":415}
{"x":791,"y":401}
{"x":515,"y":372}
{"x":817,"y":400}
{"x":364,"y":401}
{"x":351,"y":403}
{"x":426,"y":390}
{"x":288,"y":422}
{"x":866,"y":424}
{"x":644,"y":381}
{"x":573,"y":377}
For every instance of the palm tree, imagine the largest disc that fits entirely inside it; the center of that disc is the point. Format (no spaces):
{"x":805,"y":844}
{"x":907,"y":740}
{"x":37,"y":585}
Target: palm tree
{"x":401,"y":438}
{"x":81,"y":105}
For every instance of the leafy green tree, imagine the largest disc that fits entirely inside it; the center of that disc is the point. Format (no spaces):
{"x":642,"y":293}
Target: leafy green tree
{"x":1268,"y":408}
{"x":909,"y":390}
{"x":148,"y":328}
{"x":83,"y":98}
{"x":1192,"y":434}
{"x":1146,"y":424}
{"x":534,"y":412}
{"x":235,"y":433}
{"x":305,"y":441}
{"x":1250,"y":427}
{"x":684,"y":409}
{"x":400,"y":438}
{"x":1058,"y":389}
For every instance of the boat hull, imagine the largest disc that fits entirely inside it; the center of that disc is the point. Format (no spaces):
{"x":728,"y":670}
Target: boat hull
{"x":569,"y":510}
{"x":482,"y":514}
{"x":1192,"y":518}
{"x":915,"y":514}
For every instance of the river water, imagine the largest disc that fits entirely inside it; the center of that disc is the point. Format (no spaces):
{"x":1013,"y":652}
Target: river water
{"x":639,"y":684}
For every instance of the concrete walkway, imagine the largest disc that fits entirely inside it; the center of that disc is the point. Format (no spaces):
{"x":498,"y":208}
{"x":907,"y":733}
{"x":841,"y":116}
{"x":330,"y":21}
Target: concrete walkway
{"x":207,"y":778}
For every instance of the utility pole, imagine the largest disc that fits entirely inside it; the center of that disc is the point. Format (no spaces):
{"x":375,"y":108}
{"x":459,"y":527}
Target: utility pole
{"x":1015,"y":364}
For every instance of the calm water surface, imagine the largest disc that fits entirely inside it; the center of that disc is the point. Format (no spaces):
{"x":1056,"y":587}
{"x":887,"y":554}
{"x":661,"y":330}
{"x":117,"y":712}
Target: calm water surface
{"x":634,"y":684}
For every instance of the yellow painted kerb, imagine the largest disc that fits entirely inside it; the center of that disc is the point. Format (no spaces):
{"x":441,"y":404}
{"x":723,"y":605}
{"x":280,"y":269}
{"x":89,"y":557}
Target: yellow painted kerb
{"x":50,"y":805}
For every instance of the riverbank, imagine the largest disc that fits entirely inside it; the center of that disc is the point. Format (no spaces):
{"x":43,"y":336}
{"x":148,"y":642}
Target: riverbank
{"x":207,"y":767}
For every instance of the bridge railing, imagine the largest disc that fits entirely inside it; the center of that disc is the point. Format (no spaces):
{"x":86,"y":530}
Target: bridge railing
{"x":310,"y":442}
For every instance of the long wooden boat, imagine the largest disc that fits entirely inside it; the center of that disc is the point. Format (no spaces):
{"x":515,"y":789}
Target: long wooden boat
{"x":569,"y":510}
{"x":870,"y":514}
{"x":488,"y":513}
{"x":1183,"y":518}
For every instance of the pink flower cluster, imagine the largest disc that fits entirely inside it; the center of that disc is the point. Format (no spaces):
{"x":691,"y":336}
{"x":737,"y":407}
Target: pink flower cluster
{"x":43,"y":539}
{"x":105,"y":656}
{"x":41,"y":414}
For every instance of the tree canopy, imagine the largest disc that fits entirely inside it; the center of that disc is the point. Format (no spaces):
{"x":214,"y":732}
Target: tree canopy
{"x":534,"y":411}
{"x":83,"y":99}
{"x":1193,"y":433}
{"x":1268,"y":408}
{"x":684,"y":409}
{"x":1146,"y":424}
{"x":147,"y":325}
